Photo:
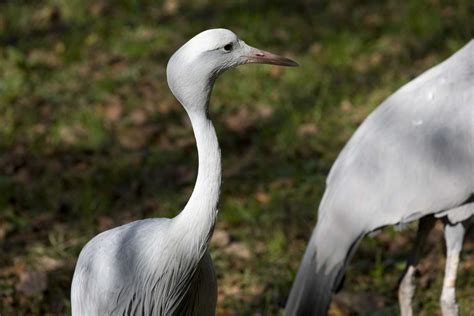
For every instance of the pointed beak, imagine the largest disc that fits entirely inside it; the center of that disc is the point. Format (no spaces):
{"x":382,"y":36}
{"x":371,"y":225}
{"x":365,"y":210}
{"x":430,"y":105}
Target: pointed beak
{"x":257,"y":56}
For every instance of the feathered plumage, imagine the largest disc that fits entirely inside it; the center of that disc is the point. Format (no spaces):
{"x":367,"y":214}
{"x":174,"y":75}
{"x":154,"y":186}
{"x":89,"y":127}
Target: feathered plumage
{"x":161,"y":266}
{"x":413,"y":156}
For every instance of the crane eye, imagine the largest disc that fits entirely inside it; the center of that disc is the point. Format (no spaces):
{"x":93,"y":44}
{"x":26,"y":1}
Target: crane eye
{"x":228,"y":47}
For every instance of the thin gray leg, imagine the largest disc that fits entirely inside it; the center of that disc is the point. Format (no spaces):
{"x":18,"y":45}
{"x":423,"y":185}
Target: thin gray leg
{"x":454,"y":236}
{"x":406,"y":289}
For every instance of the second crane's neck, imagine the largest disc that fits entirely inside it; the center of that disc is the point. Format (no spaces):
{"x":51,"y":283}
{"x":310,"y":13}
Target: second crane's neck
{"x":199,"y":215}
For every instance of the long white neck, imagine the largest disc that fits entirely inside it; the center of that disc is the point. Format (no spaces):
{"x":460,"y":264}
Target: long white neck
{"x":199,"y":215}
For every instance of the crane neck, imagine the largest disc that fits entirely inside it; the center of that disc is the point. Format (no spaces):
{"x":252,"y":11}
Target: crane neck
{"x":199,"y":215}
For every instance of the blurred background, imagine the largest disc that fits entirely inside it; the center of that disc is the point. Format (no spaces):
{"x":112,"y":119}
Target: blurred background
{"x":91,"y":138}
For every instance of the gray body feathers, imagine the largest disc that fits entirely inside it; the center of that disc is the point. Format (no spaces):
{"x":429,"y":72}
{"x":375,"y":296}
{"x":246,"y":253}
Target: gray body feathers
{"x":162,"y":266}
{"x":413,"y":156}
{"x":135,"y":268}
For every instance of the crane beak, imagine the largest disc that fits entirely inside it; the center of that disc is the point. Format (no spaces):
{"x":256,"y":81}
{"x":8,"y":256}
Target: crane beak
{"x":258,"y":56}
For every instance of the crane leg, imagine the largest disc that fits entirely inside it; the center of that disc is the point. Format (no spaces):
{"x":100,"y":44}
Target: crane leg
{"x":454,"y":236}
{"x":406,"y":289}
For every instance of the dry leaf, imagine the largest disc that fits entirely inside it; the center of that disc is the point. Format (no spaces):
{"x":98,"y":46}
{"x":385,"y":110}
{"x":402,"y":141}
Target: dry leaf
{"x":138,"y":117}
{"x":220,"y":238}
{"x":170,"y":7}
{"x":265,"y":111}
{"x":262,"y":197}
{"x":48,"y":264}
{"x":239,"y":250}
{"x":113,"y":111}
{"x":307,"y":129}
{"x":240,"y":121}
{"x":275,"y":72}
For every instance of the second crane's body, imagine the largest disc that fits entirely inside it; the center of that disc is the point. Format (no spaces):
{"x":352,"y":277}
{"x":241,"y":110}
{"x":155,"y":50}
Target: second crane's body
{"x":412,"y":157}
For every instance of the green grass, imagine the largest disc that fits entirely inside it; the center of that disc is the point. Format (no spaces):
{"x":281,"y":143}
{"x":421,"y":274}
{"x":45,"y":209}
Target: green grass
{"x":92,"y":138}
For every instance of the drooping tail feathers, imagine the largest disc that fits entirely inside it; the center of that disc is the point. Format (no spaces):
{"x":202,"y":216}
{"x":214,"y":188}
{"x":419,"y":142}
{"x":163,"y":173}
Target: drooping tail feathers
{"x":322,"y":270}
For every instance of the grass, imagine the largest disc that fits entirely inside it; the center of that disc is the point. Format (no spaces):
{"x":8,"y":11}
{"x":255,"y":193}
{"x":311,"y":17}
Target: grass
{"x":91,"y":137}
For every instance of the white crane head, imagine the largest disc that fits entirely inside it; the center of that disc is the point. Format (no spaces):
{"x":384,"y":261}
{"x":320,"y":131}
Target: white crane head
{"x":193,"y":68}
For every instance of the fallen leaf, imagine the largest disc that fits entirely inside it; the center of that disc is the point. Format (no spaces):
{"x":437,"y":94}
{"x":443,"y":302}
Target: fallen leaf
{"x":239,"y":250}
{"x":264,"y":111}
{"x":240,"y":120}
{"x":113,"y":111}
{"x":307,"y":129}
{"x":134,"y":137}
{"x":220,"y":238}
{"x":262,"y":197}
{"x":138,"y":117}
{"x":275,"y":72}
{"x":170,"y":7}
{"x":48,"y":264}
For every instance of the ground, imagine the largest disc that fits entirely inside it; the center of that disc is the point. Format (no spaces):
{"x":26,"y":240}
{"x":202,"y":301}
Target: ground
{"x":91,"y":138}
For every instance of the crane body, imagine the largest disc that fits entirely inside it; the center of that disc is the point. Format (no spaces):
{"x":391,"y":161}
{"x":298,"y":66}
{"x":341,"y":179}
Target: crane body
{"x":412,"y":157}
{"x":162,"y":266}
